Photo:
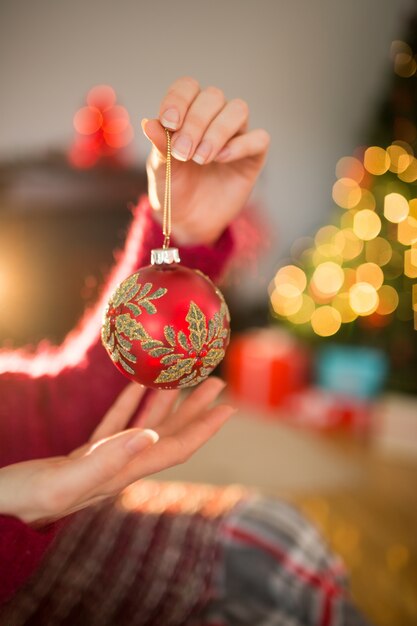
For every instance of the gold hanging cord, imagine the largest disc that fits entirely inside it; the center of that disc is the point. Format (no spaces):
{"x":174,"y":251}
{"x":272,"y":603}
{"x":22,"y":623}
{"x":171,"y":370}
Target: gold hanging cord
{"x":166,"y":228}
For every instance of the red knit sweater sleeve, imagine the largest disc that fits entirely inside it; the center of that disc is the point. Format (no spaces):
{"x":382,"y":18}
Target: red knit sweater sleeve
{"x":21,"y":549}
{"x":53,"y":399}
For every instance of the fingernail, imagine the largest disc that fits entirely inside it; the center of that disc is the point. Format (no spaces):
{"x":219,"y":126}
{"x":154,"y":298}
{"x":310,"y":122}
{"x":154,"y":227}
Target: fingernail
{"x":143,"y":124}
{"x":202,"y":153}
{"x":181,"y":147}
{"x":223,"y":154}
{"x":170,"y":118}
{"x":141,"y":440}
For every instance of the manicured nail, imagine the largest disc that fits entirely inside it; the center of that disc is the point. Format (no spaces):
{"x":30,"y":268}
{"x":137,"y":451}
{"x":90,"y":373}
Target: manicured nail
{"x":202,"y":153}
{"x":141,"y":441}
{"x":170,"y":119}
{"x":223,"y":154}
{"x":181,"y":147}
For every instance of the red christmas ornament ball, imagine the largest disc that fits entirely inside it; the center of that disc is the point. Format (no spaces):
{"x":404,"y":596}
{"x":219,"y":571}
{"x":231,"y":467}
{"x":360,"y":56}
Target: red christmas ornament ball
{"x":166,"y":326}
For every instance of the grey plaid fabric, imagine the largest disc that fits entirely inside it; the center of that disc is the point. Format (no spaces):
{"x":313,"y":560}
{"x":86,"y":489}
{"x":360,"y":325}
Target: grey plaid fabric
{"x":176,"y":555}
{"x":276,"y":570}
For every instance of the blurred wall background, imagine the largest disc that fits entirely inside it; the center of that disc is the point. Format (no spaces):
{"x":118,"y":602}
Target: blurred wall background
{"x":310,"y":71}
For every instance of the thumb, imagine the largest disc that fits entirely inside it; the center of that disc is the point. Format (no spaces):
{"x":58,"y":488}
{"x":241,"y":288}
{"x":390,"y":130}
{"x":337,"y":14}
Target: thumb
{"x":104,"y":459}
{"x":155,"y":132}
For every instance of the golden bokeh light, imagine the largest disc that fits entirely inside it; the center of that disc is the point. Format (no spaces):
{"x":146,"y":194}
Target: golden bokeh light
{"x":348,"y":243}
{"x":388,"y":300}
{"x":363,"y":298}
{"x":370,"y":273}
{"x":366,"y":224}
{"x":326,"y":252}
{"x":410,"y":263}
{"x":286,"y":299}
{"x":325,"y":235}
{"x":407,"y":231}
{"x":376,"y":160}
{"x":404,"y":64}
{"x":413,"y":207}
{"x":303,"y":315}
{"x":399,"y":157}
{"x":409,"y":175}
{"x":341,"y":303}
{"x":350,"y":278}
{"x":346,"y":193}
{"x":350,"y":167}
{"x":328,"y":278}
{"x":291,"y":275}
{"x":326,"y":321}
{"x":378,"y":251}
{"x":396,"y":207}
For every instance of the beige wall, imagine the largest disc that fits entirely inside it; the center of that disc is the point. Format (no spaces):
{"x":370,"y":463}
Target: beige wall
{"x":311,"y":71}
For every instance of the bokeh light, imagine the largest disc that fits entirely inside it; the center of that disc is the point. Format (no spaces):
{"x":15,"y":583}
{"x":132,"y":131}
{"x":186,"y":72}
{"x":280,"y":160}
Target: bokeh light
{"x":409,"y":175}
{"x":303,"y":315}
{"x":363,"y":298}
{"x":286,"y":299}
{"x":326,"y":321}
{"x":348,"y":243}
{"x":396,"y":207}
{"x":407,"y":231}
{"x":370,"y":273}
{"x":87,"y":120}
{"x":378,"y":251}
{"x":342,"y":304}
{"x":350,"y":167}
{"x":346,"y":193}
{"x":328,"y":278}
{"x":388,"y":300}
{"x":410,"y":263}
{"x":102,"y":97}
{"x":366,"y":224}
{"x":291,"y":275}
{"x":400,"y":158}
{"x":376,"y":160}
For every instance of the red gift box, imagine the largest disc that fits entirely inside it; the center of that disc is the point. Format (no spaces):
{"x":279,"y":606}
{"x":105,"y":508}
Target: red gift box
{"x":264,"y":367}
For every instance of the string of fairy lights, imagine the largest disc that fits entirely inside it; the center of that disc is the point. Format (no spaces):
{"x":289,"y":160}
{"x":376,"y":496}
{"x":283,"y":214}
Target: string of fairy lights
{"x":357,"y":269}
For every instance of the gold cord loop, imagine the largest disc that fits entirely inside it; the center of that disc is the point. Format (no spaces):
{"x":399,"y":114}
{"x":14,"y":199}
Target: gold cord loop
{"x":166,"y":228}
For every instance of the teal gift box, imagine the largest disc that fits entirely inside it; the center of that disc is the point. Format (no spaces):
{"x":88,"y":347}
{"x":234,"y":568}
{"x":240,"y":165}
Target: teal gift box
{"x":355,"y":371}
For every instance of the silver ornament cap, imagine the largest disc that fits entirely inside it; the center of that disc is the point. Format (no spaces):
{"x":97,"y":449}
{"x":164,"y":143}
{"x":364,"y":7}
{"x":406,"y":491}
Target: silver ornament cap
{"x":161,"y":256}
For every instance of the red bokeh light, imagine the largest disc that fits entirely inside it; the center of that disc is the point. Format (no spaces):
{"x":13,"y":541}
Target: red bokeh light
{"x":102,"y":97}
{"x":88,"y":120}
{"x":103,"y":129}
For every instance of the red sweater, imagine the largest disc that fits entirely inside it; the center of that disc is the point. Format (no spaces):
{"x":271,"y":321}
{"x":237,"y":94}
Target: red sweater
{"x":52,"y":400}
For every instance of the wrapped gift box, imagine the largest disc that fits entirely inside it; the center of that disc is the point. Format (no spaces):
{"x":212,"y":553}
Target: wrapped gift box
{"x":263,"y":367}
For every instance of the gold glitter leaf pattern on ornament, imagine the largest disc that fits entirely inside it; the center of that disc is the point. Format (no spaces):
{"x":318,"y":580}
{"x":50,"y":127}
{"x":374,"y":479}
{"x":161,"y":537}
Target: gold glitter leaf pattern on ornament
{"x":182,"y":368}
{"x":197,"y":325}
{"x":179,"y":354}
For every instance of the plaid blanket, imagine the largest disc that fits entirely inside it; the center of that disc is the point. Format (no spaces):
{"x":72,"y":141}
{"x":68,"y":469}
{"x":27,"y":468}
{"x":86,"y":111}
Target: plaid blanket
{"x":169,"y":554}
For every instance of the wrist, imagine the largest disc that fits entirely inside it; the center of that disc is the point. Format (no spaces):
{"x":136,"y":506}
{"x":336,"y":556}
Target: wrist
{"x":188,"y":232}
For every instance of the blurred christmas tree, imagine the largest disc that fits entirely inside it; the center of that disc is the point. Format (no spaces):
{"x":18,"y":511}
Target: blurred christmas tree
{"x":356,"y":280}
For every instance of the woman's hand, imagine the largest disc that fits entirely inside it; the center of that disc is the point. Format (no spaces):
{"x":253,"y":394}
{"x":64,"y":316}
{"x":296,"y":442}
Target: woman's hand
{"x":216,"y":159}
{"x":43,"y":490}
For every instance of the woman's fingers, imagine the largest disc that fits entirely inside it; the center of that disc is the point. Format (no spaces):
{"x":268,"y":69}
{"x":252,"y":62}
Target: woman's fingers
{"x":231,"y":120}
{"x":195,"y":403}
{"x":158,"y":407}
{"x":201,"y":120}
{"x":252,"y":144}
{"x":177,"y":101}
{"x":120,"y":413}
{"x":174,"y":449}
{"x":200,"y":114}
